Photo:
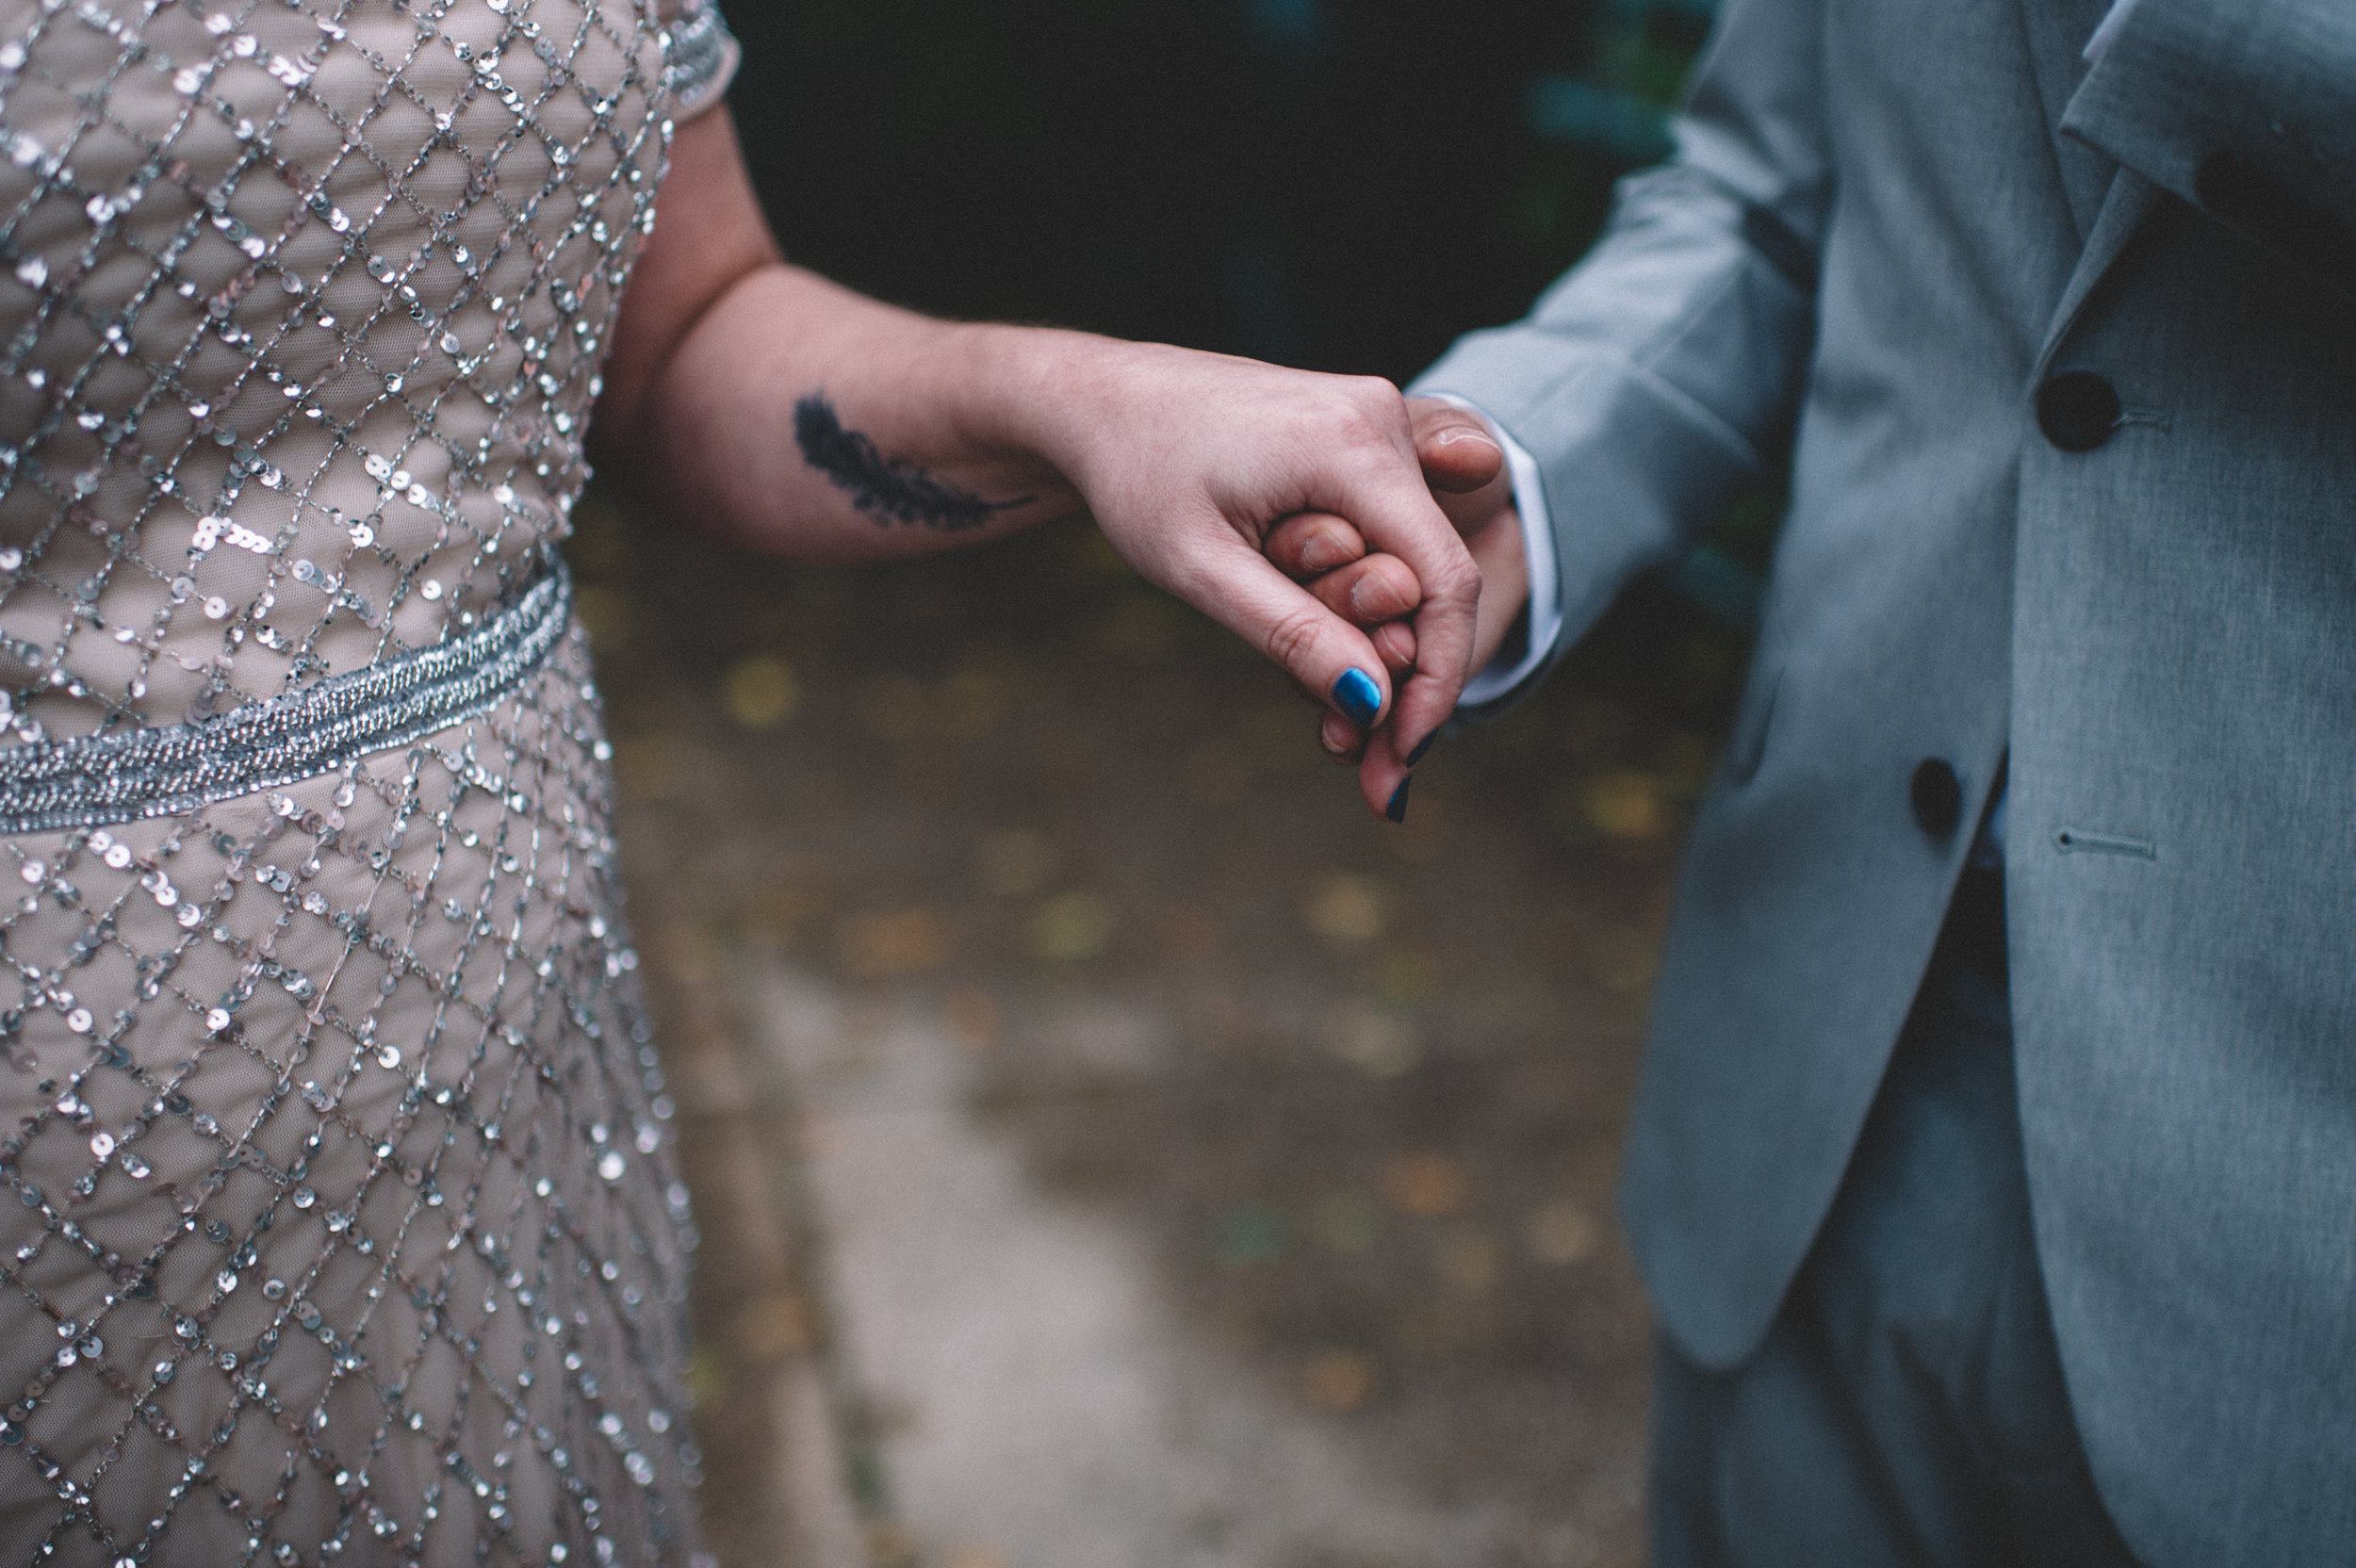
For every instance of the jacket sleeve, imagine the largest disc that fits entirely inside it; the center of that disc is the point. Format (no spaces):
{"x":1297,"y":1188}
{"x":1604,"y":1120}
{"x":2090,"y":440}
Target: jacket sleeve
{"x":1652,"y":380}
{"x":2246,"y":109}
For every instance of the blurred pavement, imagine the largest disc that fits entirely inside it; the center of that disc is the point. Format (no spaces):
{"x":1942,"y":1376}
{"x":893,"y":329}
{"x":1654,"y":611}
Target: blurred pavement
{"x":1110,"y":1146}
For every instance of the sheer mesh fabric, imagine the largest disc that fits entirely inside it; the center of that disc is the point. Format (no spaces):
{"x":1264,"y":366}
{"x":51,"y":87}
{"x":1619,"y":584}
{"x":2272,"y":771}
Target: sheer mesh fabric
{"x":343,"y":1228}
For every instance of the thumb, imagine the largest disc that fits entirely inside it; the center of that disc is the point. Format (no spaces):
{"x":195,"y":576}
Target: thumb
{"x":1457,"y":453}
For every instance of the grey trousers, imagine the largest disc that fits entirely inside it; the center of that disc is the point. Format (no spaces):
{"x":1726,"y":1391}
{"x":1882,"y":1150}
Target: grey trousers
{"x":1908,"y":1407}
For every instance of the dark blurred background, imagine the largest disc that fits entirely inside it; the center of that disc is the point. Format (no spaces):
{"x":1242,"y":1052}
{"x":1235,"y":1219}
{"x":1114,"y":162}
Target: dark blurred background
{"x":1109,"y":1144}
{"x":1345,"y":185}
{"x":1340,"y":184}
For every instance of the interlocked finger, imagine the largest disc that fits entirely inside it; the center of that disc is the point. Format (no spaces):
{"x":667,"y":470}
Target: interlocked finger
{"x":1308,"y":544}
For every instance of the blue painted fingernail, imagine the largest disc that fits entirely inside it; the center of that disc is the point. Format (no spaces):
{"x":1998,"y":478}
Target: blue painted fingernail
{"x":1361,"y":699}
{"x":1396,"y":809}
{"x":1421,"y":746}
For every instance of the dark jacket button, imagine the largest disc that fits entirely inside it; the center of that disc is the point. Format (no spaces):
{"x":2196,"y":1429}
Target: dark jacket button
{"x":2077,"y":411}
{"x":1936,"y":795}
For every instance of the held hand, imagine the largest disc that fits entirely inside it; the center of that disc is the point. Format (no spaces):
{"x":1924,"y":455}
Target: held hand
{"x":1465,"y":470}
{"x":799,"y":417}
{"x":1377,"y":593}
{"x":1190,"y":460}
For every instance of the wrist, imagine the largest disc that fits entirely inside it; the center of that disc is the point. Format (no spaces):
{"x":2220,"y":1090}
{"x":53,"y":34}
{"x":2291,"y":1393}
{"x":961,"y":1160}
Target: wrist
{"x":1034,"y":396}
{"x":1498,"y":549}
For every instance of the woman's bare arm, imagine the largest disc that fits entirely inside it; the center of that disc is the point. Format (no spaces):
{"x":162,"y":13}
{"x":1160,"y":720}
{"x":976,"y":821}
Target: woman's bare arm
{"x":756,"y":400}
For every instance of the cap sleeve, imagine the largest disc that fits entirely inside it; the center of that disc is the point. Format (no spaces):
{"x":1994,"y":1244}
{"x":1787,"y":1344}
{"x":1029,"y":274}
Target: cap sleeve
{"x":701,"y":55}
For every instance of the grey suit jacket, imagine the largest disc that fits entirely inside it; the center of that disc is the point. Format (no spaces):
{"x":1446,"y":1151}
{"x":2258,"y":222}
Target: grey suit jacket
{"x":1887,"y":224}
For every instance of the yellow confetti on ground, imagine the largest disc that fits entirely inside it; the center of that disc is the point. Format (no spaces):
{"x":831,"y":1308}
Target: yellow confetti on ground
{"x":604,"y":614}
{"x":885,"y":942}
{"x":1625,"y":803}
{"x":1427,"y":1185}
{"x":760,"y":692}
{"x":774,"y":1327}
{"x":1348,"y":909}
{"x":888,"y":1545}
{"x":707,"y":1379}
{"x":1340,"y":1381}
{"x":1375,"y":1041}
{"x":1562,"y":1234}
{"x":1071,"y":926}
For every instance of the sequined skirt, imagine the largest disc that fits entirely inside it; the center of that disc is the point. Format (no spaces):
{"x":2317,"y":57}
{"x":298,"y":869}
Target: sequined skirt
{"x":343,"y":1227}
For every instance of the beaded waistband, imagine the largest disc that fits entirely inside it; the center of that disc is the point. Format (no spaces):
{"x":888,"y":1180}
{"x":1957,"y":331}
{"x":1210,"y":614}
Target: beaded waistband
{"x":95,"y":780}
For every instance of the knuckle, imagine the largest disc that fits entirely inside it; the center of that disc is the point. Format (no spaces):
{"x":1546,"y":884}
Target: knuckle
{"x":1456,"y":577}
{"x":1292,"y":635}
{"x":1398,"y":576}
{"x":1368,"y":408}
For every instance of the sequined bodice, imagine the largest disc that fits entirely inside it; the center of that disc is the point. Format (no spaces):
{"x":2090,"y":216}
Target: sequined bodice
{"x":301,"y":309}
{"x":339,"y":1224}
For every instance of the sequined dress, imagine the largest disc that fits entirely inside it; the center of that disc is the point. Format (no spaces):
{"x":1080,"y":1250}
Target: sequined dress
{"x":338,"y":1221}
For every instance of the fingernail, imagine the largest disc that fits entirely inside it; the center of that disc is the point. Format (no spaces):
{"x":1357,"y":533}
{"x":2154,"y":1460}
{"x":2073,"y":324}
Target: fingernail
{"x":1396,"y":809}
{"x":1421,"y":746}
{"x":1360,"y":698}
{"x":1322,"y":553}
{"x":1451,"y":437}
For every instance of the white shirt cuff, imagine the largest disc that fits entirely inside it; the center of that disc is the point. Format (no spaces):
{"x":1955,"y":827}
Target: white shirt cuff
{"x":2100,"y":43}
{"x":1513,"y":667}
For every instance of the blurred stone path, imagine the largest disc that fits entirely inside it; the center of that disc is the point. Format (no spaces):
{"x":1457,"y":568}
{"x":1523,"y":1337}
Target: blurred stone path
{"x":1110,"y":1144}
{"x":1038,"y":1399}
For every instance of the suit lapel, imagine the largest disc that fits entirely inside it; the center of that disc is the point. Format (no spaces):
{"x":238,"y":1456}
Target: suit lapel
{"x":2128,"y":201}
{"x":2107,"y":203}
{"x":2058,"y":33}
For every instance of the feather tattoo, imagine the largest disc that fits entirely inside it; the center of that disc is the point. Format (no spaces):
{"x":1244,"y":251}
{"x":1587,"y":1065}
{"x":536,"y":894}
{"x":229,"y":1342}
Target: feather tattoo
{"x":886,"y":489}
